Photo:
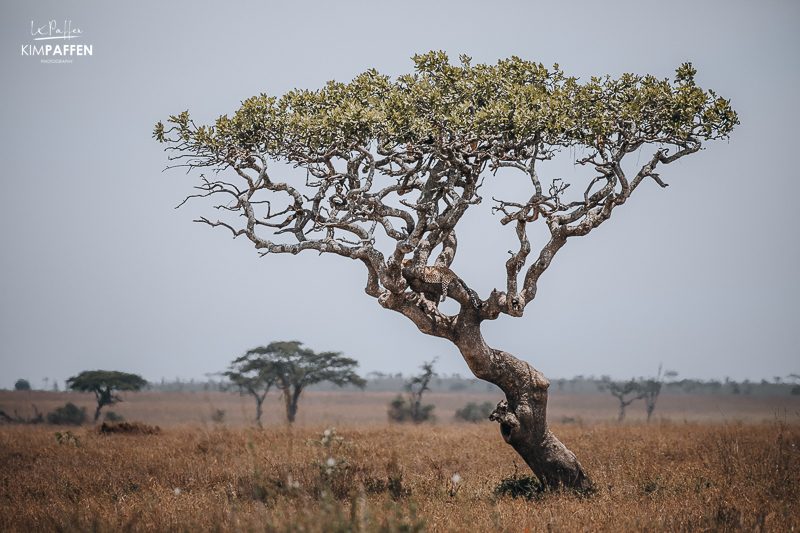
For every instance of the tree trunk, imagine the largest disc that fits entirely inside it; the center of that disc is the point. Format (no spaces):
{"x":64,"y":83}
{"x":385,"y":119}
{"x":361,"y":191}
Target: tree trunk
{"x":100,"y":397}
{"x":291,"y":398}
{"x":259,"y":401}
{"x":622,"y":406}
{"x":523,"y":414}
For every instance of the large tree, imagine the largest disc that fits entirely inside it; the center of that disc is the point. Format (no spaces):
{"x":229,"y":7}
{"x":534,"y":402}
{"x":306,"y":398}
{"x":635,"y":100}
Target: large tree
{"x":293,"y":368}
{"x":104,"y":383}
{"x":395,"y":165}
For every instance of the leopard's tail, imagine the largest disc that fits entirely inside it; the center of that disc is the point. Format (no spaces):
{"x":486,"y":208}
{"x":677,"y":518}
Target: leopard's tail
{"x":475,"y":303}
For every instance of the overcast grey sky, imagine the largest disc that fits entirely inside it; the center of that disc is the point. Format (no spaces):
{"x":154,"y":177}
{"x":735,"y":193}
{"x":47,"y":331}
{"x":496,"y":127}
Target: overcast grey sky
{"x":100,"y":271}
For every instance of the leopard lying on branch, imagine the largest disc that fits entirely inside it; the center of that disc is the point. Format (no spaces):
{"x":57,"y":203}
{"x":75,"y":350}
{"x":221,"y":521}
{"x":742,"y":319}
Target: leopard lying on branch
{"x":444,"y":276}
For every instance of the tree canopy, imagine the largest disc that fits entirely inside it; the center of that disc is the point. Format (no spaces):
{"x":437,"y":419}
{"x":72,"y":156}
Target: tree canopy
{"x":406,"y":157}
{"x":103,"y":383}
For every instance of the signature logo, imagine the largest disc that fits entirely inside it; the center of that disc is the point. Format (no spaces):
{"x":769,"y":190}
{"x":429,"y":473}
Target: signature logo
{"x":50,"y":31}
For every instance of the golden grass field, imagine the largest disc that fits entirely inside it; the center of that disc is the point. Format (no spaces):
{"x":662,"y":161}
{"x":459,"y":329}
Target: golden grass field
{"x":689,"y":470}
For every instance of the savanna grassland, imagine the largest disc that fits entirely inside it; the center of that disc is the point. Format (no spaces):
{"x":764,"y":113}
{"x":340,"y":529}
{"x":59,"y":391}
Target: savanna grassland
{"x":680,"y":473}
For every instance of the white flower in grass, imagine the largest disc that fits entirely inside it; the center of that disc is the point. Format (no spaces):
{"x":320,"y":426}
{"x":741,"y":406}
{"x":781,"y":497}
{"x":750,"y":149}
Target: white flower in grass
{"x":327,"y":433}
{"x":456,"y":478}
{"x":177,"y":491}
{"x":331,"y":461}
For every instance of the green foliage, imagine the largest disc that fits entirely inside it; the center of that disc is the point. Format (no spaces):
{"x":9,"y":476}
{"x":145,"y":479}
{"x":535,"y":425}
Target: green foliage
{"x":515,"y":99}
{"x":527,"y":487}
{"x":69,"y":415}
{"x":473,"y":412}
{"x":103,"y":383}
{"x":401,"y":411}
{"x":295,"y":366}
{"x":22,"y":384}
{"x":111,"y":416}
{"x":100,"y":380}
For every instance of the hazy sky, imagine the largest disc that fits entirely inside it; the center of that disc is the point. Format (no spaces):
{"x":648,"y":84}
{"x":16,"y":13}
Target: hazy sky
{"x":100,"y":271}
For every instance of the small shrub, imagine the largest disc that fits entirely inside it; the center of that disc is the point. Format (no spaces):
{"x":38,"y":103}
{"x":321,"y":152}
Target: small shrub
{"x":527,"y":487}
{"x":111,"y":416}
{"x":129,"y":428}
{"x":68,"y":438}
{"x":652,"y":487}
{"x":401,"y":411}
{"x":22,"y":384}
{"x":69,"y":415}
{"x":473,"y":412}
{"x":796,"y":390}
{"x":333,"y":473}
{"x":218,"y":416}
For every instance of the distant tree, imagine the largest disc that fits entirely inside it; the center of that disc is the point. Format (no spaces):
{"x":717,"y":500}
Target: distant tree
{"x":104,"y":383}
{"x":22,"y":384}
{"x":293,"y":368}
{"x":651,"y":388}
{"x":253,"y":374}
{"x":626,"y":392}
{"x":415,"y":387}
{"x":413,"y":410}
{"x":644,"y":389}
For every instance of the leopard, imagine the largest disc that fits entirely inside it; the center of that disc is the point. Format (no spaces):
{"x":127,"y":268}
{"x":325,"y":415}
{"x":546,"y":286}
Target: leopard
{"x":444,"y":276}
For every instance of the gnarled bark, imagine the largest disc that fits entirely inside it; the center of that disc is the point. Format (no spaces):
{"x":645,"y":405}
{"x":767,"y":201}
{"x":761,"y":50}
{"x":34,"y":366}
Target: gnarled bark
{"x":523,"y":414}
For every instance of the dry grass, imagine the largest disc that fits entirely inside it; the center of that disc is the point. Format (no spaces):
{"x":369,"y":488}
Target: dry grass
{"x":662,"y":477}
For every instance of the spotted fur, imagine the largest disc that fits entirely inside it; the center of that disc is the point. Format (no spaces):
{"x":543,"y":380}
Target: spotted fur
{"x":444,"y":276}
